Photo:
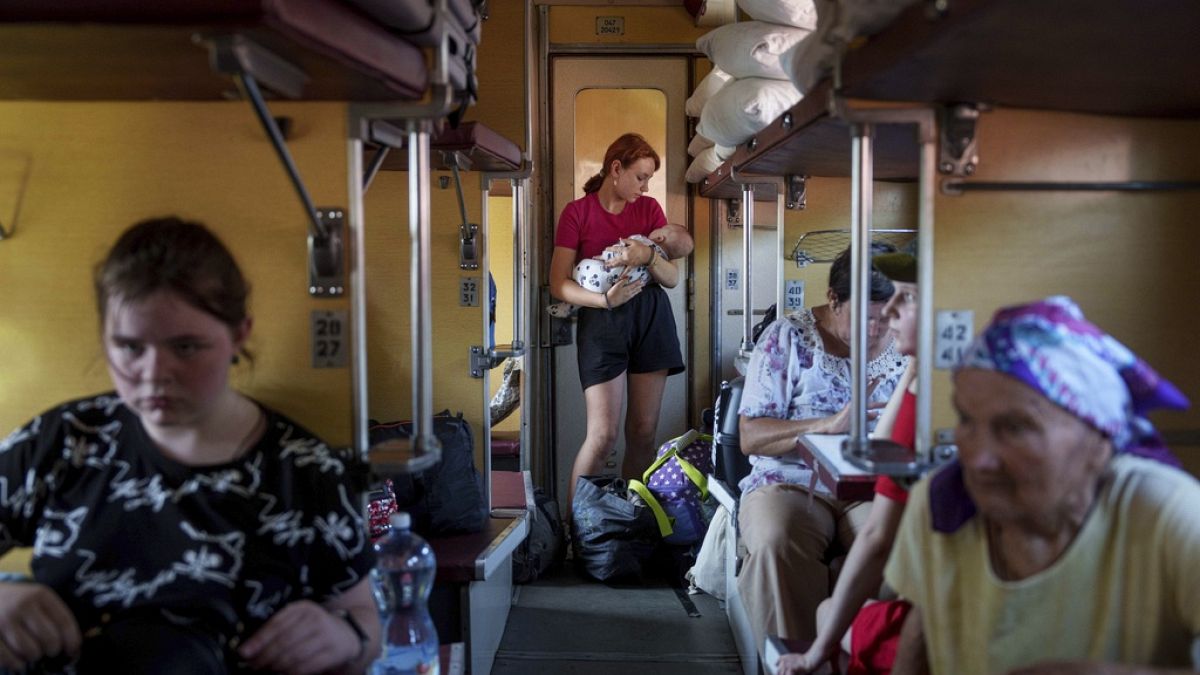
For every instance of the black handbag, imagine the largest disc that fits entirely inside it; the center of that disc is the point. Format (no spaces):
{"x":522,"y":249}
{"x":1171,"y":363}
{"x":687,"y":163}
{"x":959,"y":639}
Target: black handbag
{"x":446,"y":498}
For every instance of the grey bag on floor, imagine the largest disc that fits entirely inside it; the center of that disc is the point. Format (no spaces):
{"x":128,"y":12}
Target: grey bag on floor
{"x":543,"y":548}
{"x":613,"y":536}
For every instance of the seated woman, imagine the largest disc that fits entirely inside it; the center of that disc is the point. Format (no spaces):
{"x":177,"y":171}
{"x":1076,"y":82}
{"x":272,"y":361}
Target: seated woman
{"x":798,"y":382}
{"x":1054,"y":543}
{"x":179,"y":526}
{"x":876,"y":626}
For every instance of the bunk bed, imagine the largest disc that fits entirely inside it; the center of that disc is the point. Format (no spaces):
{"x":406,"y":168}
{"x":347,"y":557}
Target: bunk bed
{"x":473,"y":589}
{"x":932,"y":69}
{"x":946,"y":59}
{"x":372,"y":54}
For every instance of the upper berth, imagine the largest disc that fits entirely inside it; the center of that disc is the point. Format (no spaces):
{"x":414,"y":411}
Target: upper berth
{"x":311,"y":49}
{"x":471,"y":146}
{"x":1113,"y":57}
{"x":808,"y":141}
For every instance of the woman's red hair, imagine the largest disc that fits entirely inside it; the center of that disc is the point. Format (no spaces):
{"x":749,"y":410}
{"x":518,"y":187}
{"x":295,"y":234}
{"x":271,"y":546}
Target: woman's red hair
{"x":627,"y":149}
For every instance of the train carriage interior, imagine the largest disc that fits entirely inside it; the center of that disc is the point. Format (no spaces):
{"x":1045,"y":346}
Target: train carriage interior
{"x":392,"y":177}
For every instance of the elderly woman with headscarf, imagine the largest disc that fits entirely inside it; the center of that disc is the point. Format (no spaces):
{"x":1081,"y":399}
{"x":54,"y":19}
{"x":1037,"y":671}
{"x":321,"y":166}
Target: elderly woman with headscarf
{"x":1061,"y":540}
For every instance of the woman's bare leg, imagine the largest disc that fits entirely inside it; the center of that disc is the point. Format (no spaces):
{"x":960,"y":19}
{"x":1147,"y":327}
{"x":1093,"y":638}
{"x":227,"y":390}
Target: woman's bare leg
{"x":641,"y":421}
{"x":603,"y":404}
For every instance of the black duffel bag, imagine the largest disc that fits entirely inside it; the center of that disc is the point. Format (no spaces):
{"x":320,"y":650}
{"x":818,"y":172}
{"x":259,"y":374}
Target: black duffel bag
{"x":543,"y":548}
{"x":613,"y":537}
{"x":446,"y":498}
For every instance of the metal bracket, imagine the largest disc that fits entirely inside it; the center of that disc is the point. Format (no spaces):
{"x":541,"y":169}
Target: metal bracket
{"x":236,"y":55}
{"x":468,"y":246}
{"x":956,"y":187}
{"x":26,"y":162}
{"x":885,"y":457}
{"x":958,"y":154}
{"x":326,"y":267}
{"x":521,"y":173}
{"x":733,"y":215}
{"x":248,"y":63}
{"x":484,"y":360}
{"x":797,"y":192}
{"x":374,"y":166}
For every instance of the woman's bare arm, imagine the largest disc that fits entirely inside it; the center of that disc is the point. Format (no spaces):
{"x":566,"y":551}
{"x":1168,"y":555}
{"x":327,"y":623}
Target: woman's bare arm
{"x":563,"y":287}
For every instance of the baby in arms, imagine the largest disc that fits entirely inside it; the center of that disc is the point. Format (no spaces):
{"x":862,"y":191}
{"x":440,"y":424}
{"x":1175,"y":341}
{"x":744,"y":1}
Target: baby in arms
{"x":669,"y":242}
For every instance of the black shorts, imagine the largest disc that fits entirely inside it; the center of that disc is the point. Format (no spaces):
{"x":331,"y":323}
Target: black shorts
{"x":638,"y":336}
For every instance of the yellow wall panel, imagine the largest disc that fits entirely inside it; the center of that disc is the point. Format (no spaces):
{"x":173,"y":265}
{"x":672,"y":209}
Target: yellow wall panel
{"x":98,"y":167}
{"x":455,"y":328}
{"x":1127,"y":259}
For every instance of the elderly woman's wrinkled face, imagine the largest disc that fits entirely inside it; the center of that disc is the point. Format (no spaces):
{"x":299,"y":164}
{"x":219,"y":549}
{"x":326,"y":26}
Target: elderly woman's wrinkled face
{"x":1024,"y":459}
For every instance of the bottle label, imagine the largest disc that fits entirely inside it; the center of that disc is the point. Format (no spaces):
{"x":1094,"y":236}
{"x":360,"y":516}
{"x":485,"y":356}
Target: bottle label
{"x":409,"y":660}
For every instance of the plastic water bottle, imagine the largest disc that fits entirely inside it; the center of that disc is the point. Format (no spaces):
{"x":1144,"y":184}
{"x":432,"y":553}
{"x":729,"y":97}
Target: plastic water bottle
{"x":403,"y":577}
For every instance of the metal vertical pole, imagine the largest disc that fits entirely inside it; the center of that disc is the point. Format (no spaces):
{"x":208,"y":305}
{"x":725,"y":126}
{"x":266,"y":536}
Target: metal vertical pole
{"x":358,"y":298}
{"x":747,"y":243}
{"x":780,"y":232}
{"x":527,"y":289}
{"x":926,"y":176}
{"x":418,"y":229}
{"x":485,"y":275}
{"x":861,"y":177}
{"x":518,"y":336}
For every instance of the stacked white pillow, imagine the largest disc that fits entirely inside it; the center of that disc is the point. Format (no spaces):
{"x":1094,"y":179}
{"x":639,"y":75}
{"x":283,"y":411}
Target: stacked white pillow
{"x":751,"y":48}
{"x":750,"y":86}
{"x":745,"y":107}
{"x":841,"y":22}
{"x":798,"y":13}
{"x":710,"y":85}
{"x":705,"y":163}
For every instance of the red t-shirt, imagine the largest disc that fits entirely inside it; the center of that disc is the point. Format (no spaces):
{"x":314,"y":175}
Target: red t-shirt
{"x":904,"y":432}
{"x":586,"y":227}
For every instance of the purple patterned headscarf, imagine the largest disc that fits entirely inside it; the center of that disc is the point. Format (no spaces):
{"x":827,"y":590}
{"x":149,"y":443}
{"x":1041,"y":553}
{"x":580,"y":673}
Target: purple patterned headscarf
{"x":1051,"y":347}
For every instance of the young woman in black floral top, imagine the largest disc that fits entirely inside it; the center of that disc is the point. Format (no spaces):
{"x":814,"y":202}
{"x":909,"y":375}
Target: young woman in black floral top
{"x":178,"y":525}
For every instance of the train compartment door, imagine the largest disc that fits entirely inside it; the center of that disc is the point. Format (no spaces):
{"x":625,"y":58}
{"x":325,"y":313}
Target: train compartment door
{"x":594,"y":100}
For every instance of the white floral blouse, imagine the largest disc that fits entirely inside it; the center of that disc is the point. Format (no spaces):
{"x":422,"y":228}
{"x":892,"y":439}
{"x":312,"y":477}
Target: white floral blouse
{"x":792,"y":377}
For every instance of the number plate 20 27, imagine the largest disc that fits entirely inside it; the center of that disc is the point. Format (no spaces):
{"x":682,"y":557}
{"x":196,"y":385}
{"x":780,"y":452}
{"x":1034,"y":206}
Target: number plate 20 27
{"x":330,"y":339}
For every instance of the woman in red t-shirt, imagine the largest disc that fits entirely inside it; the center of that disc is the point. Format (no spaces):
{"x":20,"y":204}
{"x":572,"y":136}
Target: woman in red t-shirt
{"x":876,"y":626}
{"x":626,"y":336}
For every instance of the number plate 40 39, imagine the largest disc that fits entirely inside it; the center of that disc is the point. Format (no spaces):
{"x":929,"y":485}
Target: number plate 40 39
{"x":330,"y":334}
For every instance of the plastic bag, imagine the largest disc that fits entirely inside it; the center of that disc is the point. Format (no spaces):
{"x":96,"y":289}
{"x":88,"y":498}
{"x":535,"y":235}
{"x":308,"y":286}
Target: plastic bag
{"x":613,"y":536}
{"x":708,"y":574}
{"x":508,"y":395}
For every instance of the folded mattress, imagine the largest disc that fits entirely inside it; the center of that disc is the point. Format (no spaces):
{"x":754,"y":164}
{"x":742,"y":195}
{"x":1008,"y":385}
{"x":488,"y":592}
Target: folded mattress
{"x":418,"y":19}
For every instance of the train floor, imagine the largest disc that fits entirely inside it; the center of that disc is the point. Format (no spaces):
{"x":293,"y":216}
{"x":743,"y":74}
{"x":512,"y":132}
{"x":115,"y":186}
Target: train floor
{"x":568,"y":623}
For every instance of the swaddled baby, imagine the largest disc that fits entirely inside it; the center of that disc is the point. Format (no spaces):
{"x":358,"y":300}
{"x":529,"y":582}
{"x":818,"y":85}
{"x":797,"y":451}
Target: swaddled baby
{"x":669,"y":242}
